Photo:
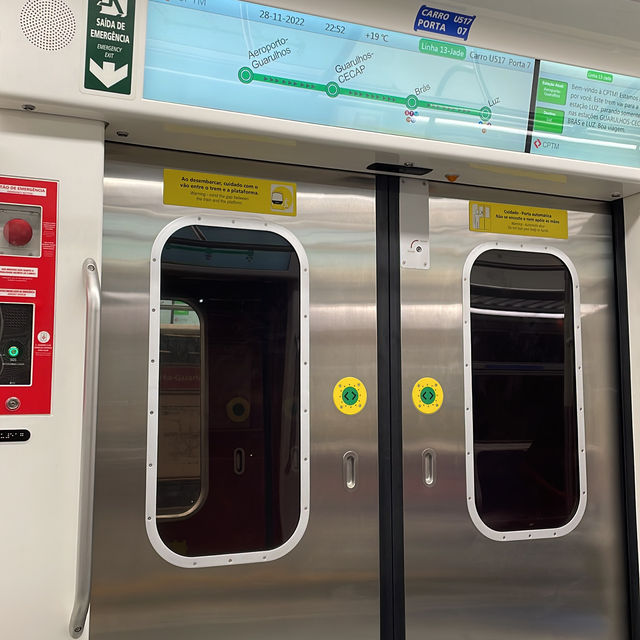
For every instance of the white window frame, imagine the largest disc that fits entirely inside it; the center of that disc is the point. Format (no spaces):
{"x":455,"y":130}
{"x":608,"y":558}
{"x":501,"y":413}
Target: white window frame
{"x":218,"y":218}
{"x":524,"y":534}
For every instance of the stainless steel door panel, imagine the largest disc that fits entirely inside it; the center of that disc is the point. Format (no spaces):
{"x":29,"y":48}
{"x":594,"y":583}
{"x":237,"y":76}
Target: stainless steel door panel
{"x":460,"y":584}
{"x":328,"y":585}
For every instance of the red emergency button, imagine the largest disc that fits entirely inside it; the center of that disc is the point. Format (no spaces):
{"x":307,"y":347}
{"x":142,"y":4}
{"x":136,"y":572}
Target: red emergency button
{"x":17,"y":232}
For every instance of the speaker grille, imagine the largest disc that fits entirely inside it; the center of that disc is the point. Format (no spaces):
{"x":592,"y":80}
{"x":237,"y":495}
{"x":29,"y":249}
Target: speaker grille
{"x":48,"y":24}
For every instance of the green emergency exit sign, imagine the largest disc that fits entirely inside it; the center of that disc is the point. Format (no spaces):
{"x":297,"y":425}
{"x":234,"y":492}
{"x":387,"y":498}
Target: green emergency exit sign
{"x":109,"y":51}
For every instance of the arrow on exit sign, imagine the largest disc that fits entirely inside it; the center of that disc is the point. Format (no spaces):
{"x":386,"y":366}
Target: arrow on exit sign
{"x":107,"y":73}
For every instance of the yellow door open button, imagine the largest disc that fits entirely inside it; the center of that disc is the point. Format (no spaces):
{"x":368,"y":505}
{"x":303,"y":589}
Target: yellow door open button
{"x":427,"y":395}
{"x":350,"y":396}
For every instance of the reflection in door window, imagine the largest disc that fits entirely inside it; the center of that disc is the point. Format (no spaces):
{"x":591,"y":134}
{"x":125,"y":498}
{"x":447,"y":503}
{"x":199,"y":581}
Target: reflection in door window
{"x":228,"y":478}
{"x":181,"y":481}
{"x":525,"y":427}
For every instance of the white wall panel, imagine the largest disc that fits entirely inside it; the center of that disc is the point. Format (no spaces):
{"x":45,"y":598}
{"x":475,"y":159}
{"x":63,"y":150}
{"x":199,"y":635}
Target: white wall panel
{"x":39,"y":479}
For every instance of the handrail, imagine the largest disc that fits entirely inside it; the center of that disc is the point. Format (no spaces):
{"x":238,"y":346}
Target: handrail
{"x":88,"y":452}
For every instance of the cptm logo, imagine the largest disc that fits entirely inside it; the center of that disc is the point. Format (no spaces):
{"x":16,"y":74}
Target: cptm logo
{"x":537,"y":143}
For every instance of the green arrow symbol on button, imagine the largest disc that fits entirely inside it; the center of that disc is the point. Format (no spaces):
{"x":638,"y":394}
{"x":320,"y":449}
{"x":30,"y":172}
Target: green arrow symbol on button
{"x":427,"y":395}
{"x":350,"y":396}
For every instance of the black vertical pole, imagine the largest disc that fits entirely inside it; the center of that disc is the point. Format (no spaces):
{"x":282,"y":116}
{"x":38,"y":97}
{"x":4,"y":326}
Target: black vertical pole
{"x":626,"y":419}
{"x":392,"y":625}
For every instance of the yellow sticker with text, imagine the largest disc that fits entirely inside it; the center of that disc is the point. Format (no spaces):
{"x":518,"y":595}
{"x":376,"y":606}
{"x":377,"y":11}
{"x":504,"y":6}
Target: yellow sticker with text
{"x":231,"y":193}
{"x":427,"y":395}
{"x":515,"y":220}
{"x":349,"y":395}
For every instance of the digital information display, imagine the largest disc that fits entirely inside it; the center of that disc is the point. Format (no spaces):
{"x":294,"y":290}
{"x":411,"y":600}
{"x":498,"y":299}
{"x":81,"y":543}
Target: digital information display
{"x":249,"y":58}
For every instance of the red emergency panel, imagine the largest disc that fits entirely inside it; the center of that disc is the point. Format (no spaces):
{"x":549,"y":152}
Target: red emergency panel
{"x":28,"y":213}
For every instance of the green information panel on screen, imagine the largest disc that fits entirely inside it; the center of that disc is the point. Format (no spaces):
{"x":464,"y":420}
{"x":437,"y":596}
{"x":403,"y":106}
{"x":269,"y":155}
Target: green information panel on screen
{"x":587,"y":115}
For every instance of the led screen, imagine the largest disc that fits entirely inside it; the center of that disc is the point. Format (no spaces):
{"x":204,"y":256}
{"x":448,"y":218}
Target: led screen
{"x":250,"y":58}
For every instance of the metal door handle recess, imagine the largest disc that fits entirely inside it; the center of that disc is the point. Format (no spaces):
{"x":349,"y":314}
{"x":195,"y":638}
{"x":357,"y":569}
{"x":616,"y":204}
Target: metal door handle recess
{"x":88,"y":451}
{"x":429,"y":467}
{"x":239,"y":459}
{"x":350,"y":470}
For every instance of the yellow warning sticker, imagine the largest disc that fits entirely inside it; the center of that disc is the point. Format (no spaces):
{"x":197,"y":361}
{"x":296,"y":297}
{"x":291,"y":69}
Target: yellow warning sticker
{"x":427,"y":395}
{"x":512,"y":219}
{"x":231,"y":193}
{"x":349,"y":395}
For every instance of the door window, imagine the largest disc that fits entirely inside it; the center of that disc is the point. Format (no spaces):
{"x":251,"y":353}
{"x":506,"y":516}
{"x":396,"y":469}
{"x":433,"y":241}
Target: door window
{"x":228,"y":431}
{"x":525,"y":432}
